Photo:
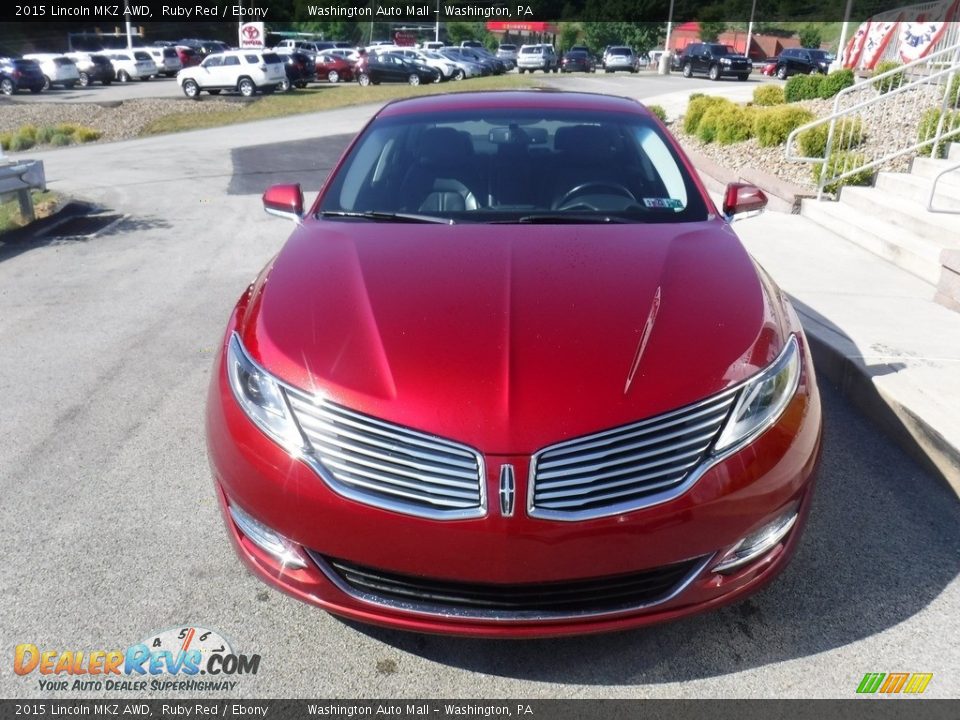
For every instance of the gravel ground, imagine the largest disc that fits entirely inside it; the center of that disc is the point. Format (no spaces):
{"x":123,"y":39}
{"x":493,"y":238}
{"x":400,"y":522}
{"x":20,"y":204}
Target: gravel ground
{"x":114,"y":121}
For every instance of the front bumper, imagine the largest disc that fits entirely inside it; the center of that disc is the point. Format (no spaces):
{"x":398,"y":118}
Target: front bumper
{"x":731,"y":500}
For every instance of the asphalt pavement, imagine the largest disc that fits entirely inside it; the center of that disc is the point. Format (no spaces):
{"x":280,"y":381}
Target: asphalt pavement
{"x":110,"y":527}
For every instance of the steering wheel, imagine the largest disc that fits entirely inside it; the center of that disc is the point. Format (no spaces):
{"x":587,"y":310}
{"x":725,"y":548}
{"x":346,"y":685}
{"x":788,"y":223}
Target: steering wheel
{"x":580,"y":189}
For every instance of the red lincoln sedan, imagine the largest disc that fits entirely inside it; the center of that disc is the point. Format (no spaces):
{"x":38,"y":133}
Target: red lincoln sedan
{"x":512,"y":375}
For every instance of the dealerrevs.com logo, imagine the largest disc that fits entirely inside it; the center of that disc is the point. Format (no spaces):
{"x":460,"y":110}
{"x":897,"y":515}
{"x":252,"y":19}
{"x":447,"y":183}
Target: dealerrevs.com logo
{"x":172,"y":660}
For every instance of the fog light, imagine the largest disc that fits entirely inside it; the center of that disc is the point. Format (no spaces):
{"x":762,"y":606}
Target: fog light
{"x":758,"y":542}
{"x":267,"y":540}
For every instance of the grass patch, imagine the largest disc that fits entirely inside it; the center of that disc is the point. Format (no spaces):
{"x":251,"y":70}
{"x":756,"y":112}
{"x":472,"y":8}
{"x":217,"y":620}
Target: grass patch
{"x":323,"y":97}
{"x":44,"y":203}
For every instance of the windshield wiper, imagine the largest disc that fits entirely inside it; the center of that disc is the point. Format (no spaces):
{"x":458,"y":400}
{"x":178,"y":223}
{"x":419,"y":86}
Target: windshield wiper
{"x":386,"y":216}
{"x":568,"y":219}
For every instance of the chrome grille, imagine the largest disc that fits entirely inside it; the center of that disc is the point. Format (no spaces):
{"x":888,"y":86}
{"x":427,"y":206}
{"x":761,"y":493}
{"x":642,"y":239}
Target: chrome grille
{"x":625,"y":468}
{"x":390,"y":466}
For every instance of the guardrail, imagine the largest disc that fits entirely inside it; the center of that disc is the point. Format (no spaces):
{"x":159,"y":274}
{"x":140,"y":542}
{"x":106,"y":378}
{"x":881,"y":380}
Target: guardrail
{"x":921,"y":97}
{"x":19,"y":177}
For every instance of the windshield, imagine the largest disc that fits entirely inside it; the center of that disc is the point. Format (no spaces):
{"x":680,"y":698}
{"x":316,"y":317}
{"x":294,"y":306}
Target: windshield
{"x":722,"y":50}
{"x":517,"y":165}
{"x":818,"y":54}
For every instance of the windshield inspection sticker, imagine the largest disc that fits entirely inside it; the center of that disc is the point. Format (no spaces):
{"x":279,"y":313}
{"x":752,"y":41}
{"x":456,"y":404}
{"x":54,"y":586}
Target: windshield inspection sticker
{"x":670,"y":203}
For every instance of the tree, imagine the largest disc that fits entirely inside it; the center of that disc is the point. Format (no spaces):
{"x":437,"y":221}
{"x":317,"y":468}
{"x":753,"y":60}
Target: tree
{"x":343,"y":30}
{"x":569,"y":34}
{"x":640,"y":36}
{"x":460,"y":31}
{"x":710,"y":30}
{"x":810,"y":36}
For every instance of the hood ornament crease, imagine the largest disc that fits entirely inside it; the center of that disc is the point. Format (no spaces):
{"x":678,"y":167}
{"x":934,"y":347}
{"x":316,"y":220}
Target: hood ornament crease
{"x":644,"y":339}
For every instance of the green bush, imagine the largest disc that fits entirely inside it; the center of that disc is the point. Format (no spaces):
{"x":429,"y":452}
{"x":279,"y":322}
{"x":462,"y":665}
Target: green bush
{"x":28,"y":132}
{"x":44,"y":134}
{"x":837,"y":163}
{"x":22,"y":141}
{"x":696,"y":109}
{"x":772,"y":125}
{"x":5,"y":139}
{"x":710,"y":122}
{"x":85,"y":134}
{"x":768,"y":95}
{"x":928,"y":129}
{"x":735,"y":124}
{"x":848,"y":133}
{"x":658,"y":111}
{"x":892,"y":82}
{"x":66,"y":128}
{"x":61,"y":139}
{"x":835,"y":82}
{"x":953,"y":92}
{"x":694,"y":96}
{"x":803,"y":87}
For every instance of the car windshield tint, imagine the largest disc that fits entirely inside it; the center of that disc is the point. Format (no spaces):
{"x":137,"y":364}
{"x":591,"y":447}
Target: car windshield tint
{"x":620,"y":51}
{"x":142,"y":56}
{"x":272,"y":58}
{"x":722,"y":50}
{"x":518,"y":165}
{"x":817,"y":54}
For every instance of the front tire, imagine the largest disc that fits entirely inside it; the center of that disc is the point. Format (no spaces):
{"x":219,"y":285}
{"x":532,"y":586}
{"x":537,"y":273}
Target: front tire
{"x":46,"y":83}
{"x":333,"y":76}
{"x":687,"y":70}
{"x":246,"y":87}
{"x":363,"y":79}
{"x":714,"y":72}
{"x":460,"y":74}
{"x":414,"y":79}
{"x":284,"y":85}
{"x":7,"y":87}
{"x":123,"y":76}
{"x":84,"y":80}
{"x":782,"y":72}
{"x":191,"y":89}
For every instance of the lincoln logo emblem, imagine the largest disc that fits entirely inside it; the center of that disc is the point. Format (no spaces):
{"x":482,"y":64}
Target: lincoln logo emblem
{"x":508,"y":490}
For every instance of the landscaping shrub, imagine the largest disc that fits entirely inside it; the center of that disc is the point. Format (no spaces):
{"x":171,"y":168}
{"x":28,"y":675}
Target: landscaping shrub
{"x":5,"y":139}
{"x":735,"y":124}
{"x":837,"y":163}
{"x":658,"y":111}
{"x":803,"y":87}
{"x":710,"y":122}
{"x":772,"y":125}
{"x":29,"y":133}
{"x":66,"y":128}
{"x":928,"y":129}
{"x":847,"y":134}
{"x":694,"y":96}
{"x":696,"y":109}
{"x":22,"y":141}
{"x":892,"y":82}
{"x":85,"y":134}
{"x":835,"y":82}
{"x":44,"y":134}
{"x":61,"y":139}
{"x":953,"y":92}
{"x":768,"y":95}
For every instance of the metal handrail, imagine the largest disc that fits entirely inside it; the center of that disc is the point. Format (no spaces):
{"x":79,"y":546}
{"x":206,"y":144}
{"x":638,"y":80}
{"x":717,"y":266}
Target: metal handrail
{"x":933,"y":191}
{"x":949,"y":56}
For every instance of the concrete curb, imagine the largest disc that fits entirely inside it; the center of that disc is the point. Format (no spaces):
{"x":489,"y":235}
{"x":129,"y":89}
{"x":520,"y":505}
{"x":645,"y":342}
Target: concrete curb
{"x":917,"y":437}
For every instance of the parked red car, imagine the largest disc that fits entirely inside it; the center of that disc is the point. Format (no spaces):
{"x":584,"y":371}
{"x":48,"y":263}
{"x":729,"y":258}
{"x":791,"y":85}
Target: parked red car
{"x":514,"y":374}
{"x":334,"y":68}
{"x":188,"y":56}
{"x":770,"y":67}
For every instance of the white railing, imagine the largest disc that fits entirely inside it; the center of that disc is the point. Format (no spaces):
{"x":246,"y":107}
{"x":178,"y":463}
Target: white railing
{"x":891,"y":116}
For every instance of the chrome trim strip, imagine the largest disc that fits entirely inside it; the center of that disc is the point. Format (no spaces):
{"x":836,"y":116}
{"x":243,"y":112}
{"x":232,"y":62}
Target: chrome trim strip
{"x":441,"y":611}
{"x":446,"y":492}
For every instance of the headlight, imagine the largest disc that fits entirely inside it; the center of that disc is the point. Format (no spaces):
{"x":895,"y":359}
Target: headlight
{"x":726,"y":61}
{"x":763,"y":399}
{"x":261,"y":398}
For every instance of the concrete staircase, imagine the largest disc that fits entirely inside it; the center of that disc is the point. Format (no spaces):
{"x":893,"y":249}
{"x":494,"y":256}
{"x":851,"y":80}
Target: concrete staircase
{"x":891,"y":220}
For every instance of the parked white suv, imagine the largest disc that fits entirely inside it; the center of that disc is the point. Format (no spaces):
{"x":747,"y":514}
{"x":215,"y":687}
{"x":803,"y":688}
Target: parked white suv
{"x":166,"y":59}
{"x":56,"y":69}
{"x":245,"y":71}
{"x":537,"y":57}
{"x":132,"y":65}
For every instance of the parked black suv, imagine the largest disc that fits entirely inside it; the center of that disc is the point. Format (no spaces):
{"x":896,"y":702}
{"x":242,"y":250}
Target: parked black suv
{"x":802,"y":61}
{"x":301,"y":69}
{"x":715,"y":60}
{"x":18,"y":74}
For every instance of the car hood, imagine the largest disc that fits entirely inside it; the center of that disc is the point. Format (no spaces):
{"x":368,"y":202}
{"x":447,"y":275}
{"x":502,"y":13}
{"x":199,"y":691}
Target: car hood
{"x":512,"y":337}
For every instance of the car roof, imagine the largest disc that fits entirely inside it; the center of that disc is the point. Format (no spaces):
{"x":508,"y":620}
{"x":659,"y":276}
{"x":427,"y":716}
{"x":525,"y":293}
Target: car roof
{"x":509,"y":99}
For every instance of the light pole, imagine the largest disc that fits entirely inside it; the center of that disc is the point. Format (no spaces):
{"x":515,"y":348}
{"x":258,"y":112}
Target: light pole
{"x":753,"y":9}
{"x":664,"y":68}
{"x":837,"y":64}
{"x":436,"y":24}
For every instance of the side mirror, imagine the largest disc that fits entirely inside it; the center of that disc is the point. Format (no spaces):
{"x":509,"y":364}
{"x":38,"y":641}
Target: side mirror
{"x":743,"y":198}
{"x":284,"y":201}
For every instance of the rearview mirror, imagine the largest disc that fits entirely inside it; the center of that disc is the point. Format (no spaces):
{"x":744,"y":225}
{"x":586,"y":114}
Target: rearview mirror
{"x":284,"y":201}
{"x":743,"y":198}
